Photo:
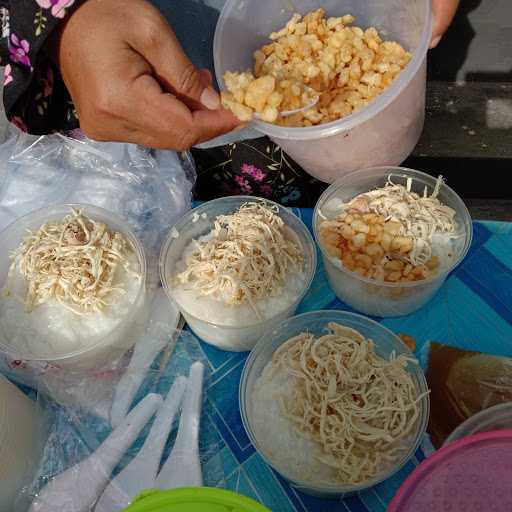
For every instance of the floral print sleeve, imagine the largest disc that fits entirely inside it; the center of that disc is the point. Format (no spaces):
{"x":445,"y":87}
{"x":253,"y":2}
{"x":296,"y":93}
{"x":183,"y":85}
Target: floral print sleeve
{"x":35,"y":97}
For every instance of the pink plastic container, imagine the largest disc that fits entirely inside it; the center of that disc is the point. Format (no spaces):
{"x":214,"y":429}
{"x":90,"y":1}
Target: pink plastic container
{"x":473,"y":474}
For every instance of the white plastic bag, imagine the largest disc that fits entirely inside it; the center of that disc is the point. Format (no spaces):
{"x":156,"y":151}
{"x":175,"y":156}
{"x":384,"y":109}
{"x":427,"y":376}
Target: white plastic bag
{"x":149,"y":189}
{"x":72,"y":434}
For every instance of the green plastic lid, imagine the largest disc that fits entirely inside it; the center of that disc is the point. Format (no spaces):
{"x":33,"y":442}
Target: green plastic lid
{"x":193,"y":499}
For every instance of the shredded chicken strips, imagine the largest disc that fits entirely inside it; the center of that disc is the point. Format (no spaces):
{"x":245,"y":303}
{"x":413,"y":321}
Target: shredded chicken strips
{"x":248,"y":256}
{"x":359,"y":407}
{"x":73,"y":261}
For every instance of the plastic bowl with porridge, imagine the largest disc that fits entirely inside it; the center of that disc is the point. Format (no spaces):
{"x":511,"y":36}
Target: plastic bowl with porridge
{"x":237,"y":266}
{"x":334,"y":402}
{"x":73,"y":286}
{"x":389,"y":238}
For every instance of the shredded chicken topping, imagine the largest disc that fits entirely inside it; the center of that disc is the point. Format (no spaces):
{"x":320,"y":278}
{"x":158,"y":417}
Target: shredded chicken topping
{"x":420,"y":217}
{"x":73,"y":261}
{"x":359,"y":407}
{"x":247,"y":256}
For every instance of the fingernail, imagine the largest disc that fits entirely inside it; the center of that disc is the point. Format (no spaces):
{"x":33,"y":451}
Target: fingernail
{"x":210,"y":99}
{"x":435,"y":42}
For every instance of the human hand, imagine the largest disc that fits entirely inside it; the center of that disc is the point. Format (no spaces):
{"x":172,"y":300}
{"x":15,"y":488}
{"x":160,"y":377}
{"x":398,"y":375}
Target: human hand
{"x":444,"y":11}
{"x":130,"y":80}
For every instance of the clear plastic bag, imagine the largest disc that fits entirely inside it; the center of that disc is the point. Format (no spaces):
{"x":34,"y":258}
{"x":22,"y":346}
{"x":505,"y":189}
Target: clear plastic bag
{"x":149,"y":189}
{"x":72,"y":434}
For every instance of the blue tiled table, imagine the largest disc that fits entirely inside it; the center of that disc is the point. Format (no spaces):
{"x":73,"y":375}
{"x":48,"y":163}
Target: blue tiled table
{"x":473,"y":311}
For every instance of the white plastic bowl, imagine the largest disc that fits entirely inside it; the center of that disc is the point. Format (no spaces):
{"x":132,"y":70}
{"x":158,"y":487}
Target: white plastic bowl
{"x":199,"y":222}
{"x":315,"y":322}
{"x":380,"y":298}
{"x":107,"y":347}
{"x":383,"y":133}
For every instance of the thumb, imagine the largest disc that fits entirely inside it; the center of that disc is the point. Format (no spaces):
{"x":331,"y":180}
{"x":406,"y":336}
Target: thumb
{"x":173,"y":69}
{"x":444,"y":12}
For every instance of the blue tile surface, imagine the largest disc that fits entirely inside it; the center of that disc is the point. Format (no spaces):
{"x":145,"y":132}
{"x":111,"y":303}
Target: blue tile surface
{"x":473,"y":310}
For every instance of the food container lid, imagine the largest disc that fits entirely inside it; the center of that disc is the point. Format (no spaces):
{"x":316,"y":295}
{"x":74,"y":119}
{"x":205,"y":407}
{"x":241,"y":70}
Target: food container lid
{"x":194,"y":499}
{"x":471,"y":474}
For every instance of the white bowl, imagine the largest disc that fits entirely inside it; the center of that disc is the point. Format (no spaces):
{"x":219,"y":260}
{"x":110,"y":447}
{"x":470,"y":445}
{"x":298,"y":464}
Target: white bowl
{"x":199,"y":222}
{"x":380,"y":298}
{"x":81,"y":355}
{"x":315,"y":322}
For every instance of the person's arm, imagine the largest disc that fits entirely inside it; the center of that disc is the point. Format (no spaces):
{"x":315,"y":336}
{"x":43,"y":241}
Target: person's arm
{"x":34,"y":97}
{"x":115,"y":68}
{"x":444,"y":11}
{"x":131,"y":81}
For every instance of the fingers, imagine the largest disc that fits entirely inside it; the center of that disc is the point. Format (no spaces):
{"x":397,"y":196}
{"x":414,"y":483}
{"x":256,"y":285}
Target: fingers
{"x":206,"y":76}
{"x":160,"y":120}
{"x":158,"y":44}
{"x":444,"y":11}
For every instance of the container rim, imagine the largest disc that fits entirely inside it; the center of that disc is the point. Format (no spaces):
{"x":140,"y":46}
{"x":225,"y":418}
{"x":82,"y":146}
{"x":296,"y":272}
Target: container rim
{"x":438,"y":458}
{"x":138,"y":250}
{"x":417,"y":374}
{"x":483,"y":418}
{"x":154,"y":501}
{"x":346,"y":123}
{"x":402,"y":172}
{"x":187,"y":218}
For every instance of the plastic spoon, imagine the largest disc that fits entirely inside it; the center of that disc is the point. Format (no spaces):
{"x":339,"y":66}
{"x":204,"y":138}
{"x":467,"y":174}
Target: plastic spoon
{"x":77,"y":488}
{"x":288,"y":113}
{"x":145,"y":351}
{"x":141,"y":472}
{"x":183,"y":468}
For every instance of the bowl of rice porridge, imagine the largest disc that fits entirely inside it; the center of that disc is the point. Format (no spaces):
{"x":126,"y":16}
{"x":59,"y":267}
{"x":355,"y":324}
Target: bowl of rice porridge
{"x":237,"y":266}
{"x":72,"y":287}
{"x":334,"y":402}
{"x":389,"y":238}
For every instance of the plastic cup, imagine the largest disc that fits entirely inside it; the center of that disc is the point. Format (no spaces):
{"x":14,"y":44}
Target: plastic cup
{"x":19,"y":441}
{"x":376,"y":297}
{"x":39,"y":348}
{"x":383,"y":133}
{"x":316,"y":322}
{"x":199,"y":222}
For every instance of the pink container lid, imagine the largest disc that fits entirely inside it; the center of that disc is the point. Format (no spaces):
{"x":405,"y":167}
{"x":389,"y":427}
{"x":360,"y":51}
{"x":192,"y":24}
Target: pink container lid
{"x":473,"y":474}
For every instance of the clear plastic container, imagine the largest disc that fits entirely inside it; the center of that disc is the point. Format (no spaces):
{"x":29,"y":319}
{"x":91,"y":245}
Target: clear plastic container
{"x":498,"y":417}
{"x":315,"y":322}
{"x":382,"y":298}
{"x":199,"y":222}
{"x":37,"y":345}
{"x":383,"y":133}
{"x":19,"y":441}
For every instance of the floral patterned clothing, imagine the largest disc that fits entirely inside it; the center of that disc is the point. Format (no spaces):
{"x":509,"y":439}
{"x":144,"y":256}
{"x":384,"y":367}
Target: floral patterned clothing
{"x":255,"y":167}
{"x":36,"y":100}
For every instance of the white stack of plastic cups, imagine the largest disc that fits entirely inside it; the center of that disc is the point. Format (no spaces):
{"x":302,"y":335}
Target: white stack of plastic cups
{"x":18,"y":441}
